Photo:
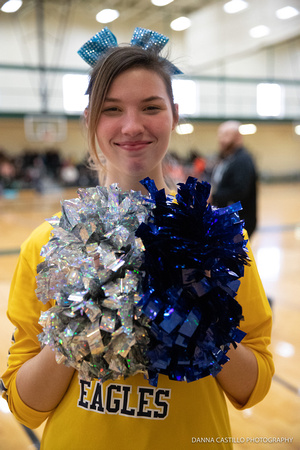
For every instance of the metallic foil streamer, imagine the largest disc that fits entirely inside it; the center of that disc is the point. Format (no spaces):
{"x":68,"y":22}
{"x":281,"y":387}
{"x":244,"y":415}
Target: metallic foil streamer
{"x":91,"y":268}
{"x":143,"y":284}
{"x":194,"y":256}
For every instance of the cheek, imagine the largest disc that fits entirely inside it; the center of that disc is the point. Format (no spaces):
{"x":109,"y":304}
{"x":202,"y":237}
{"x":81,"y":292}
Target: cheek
{"x":164,"y":126}
{"x":104,"y":131}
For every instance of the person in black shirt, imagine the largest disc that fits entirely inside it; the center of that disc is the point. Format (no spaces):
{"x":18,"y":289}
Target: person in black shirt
{"x":234,"y":177}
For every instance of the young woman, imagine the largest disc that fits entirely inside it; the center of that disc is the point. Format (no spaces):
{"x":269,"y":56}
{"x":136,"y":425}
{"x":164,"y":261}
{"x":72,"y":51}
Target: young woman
{"x":130,"y":117}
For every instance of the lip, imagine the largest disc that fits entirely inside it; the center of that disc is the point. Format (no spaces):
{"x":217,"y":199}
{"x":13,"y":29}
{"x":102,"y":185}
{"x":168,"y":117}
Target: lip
{"x":133,"y":145}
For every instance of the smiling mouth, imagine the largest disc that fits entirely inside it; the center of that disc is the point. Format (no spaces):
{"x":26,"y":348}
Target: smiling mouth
{"x":133,"y":145}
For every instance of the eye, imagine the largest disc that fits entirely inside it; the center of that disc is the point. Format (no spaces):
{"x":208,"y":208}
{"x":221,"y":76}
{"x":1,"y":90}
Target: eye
{"x":152,"y":108}
{"x":111,"y":110}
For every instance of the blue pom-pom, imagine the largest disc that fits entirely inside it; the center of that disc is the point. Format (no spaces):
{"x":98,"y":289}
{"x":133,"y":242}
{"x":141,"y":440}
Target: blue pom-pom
{"x":193,"y":259}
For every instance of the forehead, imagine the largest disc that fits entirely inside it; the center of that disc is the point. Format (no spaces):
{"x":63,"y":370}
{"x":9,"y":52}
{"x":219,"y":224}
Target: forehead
{"x":226,"y":131}
{"x":138,"y":82}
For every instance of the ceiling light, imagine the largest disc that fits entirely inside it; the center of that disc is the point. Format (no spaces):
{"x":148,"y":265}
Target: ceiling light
{"x":161,"y":2}
{"x":247,"y":128}
{"x":180,"y":24}
{"x":11,"y":6}
{"x":297,"y":130}
{"x":235,"y":6}
{"x":287,"y":12}
{"x":185,"y":128}
{"x":107,"y":15}
{"x":259,"y":31}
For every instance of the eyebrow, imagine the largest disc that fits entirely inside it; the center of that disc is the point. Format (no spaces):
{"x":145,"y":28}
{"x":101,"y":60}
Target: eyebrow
{"x":153,"y":97}
{"x":145,"y":100}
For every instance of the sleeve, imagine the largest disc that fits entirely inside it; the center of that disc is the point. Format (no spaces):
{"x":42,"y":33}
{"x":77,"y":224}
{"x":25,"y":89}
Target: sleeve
{"x":258,"y":325}
{"x":24,"y":310}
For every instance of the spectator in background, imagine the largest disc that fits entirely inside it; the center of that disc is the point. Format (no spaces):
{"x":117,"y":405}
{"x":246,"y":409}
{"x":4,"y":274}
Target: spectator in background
{"x":53,"y":162}
{"x":7,"y":171}
{"x":196,"y":165}
{"x":86,"y":176}
{"x":234,"y":177}
{"x":69,"y":173}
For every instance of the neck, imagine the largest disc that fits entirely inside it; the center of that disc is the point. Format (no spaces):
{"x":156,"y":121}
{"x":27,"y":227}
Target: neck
{"x":130,"y":183}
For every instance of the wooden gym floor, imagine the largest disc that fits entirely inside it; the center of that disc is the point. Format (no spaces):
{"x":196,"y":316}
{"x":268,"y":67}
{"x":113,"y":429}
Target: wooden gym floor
{"x":276,"y":246}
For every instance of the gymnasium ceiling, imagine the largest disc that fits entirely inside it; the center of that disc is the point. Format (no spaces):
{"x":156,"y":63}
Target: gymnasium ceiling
{"x":216,"y":26}
{"x":44,"y":30}
{"x":131,"y":11}
{"x":46,"y":34}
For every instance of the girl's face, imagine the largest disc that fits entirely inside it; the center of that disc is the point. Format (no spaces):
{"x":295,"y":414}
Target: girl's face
{"x":134,"y":128}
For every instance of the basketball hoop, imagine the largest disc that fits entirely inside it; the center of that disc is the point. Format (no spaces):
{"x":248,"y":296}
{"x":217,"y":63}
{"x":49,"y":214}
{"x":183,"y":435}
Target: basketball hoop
{"x":47,"y":129}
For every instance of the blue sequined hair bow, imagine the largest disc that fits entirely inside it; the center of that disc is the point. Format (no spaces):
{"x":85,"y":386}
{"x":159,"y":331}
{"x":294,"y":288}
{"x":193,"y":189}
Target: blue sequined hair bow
{"x":96,"y":47}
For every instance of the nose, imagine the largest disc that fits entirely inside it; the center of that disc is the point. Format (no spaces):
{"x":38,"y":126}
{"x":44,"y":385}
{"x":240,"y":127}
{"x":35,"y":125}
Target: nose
{"x":133,"y":124}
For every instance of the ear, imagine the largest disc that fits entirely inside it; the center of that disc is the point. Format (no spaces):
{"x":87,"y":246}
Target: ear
{"x":176,"y":117}
{"x":86,"y":116}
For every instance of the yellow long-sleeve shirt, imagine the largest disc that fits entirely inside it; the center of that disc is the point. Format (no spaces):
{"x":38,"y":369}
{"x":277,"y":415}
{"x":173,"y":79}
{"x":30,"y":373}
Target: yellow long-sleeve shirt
{"x":130,"y":414}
